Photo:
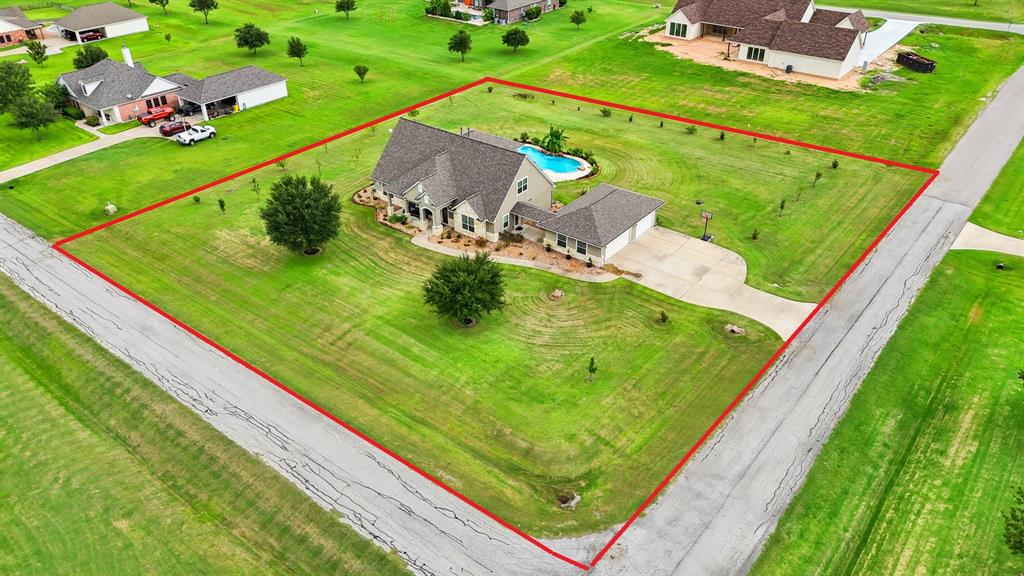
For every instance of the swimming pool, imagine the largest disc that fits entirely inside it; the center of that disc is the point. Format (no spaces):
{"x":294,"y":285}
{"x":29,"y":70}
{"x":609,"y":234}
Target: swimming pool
{"x":557,"y":164}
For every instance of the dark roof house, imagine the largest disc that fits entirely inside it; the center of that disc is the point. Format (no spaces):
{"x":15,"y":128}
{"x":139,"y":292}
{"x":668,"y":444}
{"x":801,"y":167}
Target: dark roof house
{"x":95,"y":16}
{"x":108,"y":83}
{"x":601,"y":215}
{"x":14,"y":15}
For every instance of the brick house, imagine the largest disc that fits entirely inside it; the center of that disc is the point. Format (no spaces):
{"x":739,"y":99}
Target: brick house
{"x":15,"y":28}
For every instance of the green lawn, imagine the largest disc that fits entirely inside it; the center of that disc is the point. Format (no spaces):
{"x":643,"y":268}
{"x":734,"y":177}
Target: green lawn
{"x":990,"y":10}
{"x":502,"y":411}
{"x":20,"y":146}
{"x":106,"y":473}
{"x":1002,"y":209}
{"x":914,"y":478}
{"x":116,"y":128}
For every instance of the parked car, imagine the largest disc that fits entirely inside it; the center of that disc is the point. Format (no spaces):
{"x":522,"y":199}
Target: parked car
{"x":90,"y":36}
{"x":172,"y":128}
{"x":195,"y":134}
{"x":159,"y":113}
{"x":189,"y":109}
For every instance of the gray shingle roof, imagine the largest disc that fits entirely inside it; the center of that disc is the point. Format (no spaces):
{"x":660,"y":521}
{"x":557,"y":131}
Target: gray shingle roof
{"x":507,"y":5}
{"x":97,"y":15}
{"x":601,"y":215}
{"x":16,"y":16}
{"x":493,"y":140}
{"x":120,"y":83}
{"x":531,"y":212}
{"x":223,"y":85}
{"x":450,"y":167}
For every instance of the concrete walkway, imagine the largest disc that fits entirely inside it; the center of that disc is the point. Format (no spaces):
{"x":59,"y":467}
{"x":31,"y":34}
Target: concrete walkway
{"x":718,"y":513}
{"x":691,"y":270}
{"x":974,"y":237}
{"x":922,"y":18}
{"x":102,"y":141}
{"x":888,"y":35}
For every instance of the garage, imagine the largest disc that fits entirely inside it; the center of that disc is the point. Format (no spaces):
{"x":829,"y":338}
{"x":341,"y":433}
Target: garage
{"x":230,"y":92}
{"x":99,"y":21}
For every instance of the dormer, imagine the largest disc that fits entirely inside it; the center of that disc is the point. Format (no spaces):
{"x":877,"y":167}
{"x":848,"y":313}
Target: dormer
{"x":88,"y":85}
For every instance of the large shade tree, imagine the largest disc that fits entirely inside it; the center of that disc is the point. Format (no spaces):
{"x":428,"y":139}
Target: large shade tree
{"x":15,"y":83}
{"x":302,"y":214}
{"x":346,"y":6}
{"x":1013,"y":523}
{"x":88,"y":56}
{"x":251,"y":36}
{"x":515,"y":38}
{"x":465,"y":288}
{"x":33,"y":113}
{"x":460,"y":42}
{"x":204,"y":7}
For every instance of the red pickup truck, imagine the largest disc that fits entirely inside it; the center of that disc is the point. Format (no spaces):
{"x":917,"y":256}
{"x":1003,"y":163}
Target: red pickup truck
{"x":159,"y":113}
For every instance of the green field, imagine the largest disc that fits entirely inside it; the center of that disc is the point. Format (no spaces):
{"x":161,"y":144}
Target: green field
{"x":1002,"y":210}
{"x":116,"y":128}
{"x":988,"y":10}
{"x":20,"y":146}
{"x":104,"y":473}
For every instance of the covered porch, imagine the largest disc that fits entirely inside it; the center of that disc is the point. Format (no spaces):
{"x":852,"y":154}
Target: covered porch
{"x":717,"y":31}
{"x":427,"y":218}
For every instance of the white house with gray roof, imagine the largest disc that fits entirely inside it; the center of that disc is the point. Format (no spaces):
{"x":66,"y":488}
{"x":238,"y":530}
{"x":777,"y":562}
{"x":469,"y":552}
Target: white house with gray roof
{"x":480,"y":185}
{"x":103,"y":20}
{"x":239,"y":89}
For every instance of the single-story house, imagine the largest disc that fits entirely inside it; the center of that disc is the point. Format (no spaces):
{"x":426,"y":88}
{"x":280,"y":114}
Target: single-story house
{"x":15,"y":28}
{"x":791,"y":35}
{"x":234,"y":90}
{"x":511,"y":11}
{"x":99,"y":21}
{"x":121,"y":91}
{"x":480,"y":185}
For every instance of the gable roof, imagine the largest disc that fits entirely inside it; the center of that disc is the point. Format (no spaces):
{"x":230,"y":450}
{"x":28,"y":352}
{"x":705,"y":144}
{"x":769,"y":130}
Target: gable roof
{"x":97,"y":15}
{"x":15,"y":15}
{"x":507,"y":5}
{"x":818,"y":40}
{"x":740,"y":13}
{"x":223,"y":85}
{"x":449,"y":167}
{"x":118,"y":83}
{"x":601,"y":215}
{"x":834,"y":17}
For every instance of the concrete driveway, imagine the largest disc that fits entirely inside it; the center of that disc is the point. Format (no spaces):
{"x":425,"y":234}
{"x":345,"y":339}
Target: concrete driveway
{"x":887,"y":36}
{"x":702,"y":273}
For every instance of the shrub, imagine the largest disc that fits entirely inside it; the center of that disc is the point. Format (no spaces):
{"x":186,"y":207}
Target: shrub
{"x":92,"y":121}
{"x":414,"y":112}
{"x":524,"y":137}
{"x":721,"y":135}
{"x":489,"y":15}
{"x":73,"y":113}
{"x":606,"y":112}
{"x":568,"y":256}
{"x":398,"y":219}
{"x":490,"y":89}
{"x":630,"y":117}
{"x":536,"y":141}
{"x":547,"y":247}
{"x":480,"y":241}
{"x":835,"y":163}
{"x":691,"y":129}
{"x":196,"y":199}
{"x":663,"y":317}
{"x":510,"y":237}
{"x":755,"y":235}
{"x":533,"y":13}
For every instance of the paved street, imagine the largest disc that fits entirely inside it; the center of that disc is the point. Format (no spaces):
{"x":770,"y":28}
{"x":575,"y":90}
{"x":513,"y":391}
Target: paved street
{"x":1017,"y":27}
{"x":717,"y":515}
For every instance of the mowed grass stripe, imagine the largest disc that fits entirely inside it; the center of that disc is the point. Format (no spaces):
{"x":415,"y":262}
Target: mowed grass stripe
{"x":106,"y":473}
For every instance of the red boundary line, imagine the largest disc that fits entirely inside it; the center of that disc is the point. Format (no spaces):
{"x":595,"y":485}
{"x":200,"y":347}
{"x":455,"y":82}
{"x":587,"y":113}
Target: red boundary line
{"x":58,"y":246}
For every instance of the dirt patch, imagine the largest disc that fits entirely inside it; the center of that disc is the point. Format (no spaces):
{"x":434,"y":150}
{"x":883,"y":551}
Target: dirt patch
{"x":975,"y":314}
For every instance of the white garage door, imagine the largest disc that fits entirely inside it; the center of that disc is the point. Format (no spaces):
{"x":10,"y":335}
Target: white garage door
{"x":646,"y":224}
{"x":617,"y":244}
{"x":262,"y":95}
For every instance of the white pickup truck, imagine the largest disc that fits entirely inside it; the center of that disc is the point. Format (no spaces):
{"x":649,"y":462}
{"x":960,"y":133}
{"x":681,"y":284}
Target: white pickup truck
{"x":195,"y":134}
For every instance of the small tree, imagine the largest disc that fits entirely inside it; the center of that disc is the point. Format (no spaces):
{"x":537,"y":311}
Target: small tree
{"x":721,"y":135}
{"x":835,"y":163}
{"x":32,"y":113}
{"x":461,"y":43}
{"x":817,"y":176}
{"x":282,"y":164}
{"x":36,"y":51}
{"x":167,"y":37}
{"x":88,"y":56}
{"x":361,"y":71}
{"x":555,"y":140}
{"x":255,"y":187}
{"x":606,"y":112}
{"x":15,"y":84}
{"x":1013,"y":523}
{"x":514,"y":38}
{"x":782,"y":206}
{"x":345,"y":6}
{"x":223,"y":205}
{"x":161,"y":3}
{"x":204,"y":7}
{"x":591,"y":369}
{"x":578,"y":18}
{"x":301,"y":215}
{"x":251,"y":36}
{"x":465,"y":288}
{"x":663,"y":317}
{"x":297,"y":49}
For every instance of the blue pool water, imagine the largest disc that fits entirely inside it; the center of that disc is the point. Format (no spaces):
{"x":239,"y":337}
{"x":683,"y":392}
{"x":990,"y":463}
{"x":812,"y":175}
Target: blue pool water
{"x":558,"y":164}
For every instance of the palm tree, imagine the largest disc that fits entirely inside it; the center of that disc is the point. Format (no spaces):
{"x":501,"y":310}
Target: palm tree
{"x":555,"y":140}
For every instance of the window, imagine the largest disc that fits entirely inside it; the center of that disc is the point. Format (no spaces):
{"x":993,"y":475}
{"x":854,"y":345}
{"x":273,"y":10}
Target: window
{"x":521,"y":186}
{"x":154,"y":102}
{"x":581,"y":247}
{"x":504,"y":222}
{"x":677,"y":29}
{"x":467,"y":224}
{"x":755,"y":54}
{"x":561,"y":240}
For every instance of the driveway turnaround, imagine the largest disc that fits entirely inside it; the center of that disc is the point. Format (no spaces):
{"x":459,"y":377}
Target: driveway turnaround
{"x":974,"y":237}
{"x":887,"y":36}
{"x":716,"y":516}
{"x":702,"y":273}
{"x":430,"y":529}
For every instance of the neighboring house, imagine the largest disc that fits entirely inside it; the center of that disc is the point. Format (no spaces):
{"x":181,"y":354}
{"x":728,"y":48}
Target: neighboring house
{"x":235,"y":90}
{"x":121,"y":91}
{"x":479,"y":185}
{"x":15,"y":28}
{"x":510,"y":11}
{"x":791,"y":35}
{"x":99,"y":21}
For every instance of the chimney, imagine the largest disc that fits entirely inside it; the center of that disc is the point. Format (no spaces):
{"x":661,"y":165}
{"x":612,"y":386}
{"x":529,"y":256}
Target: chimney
{"x":127,"y":55}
